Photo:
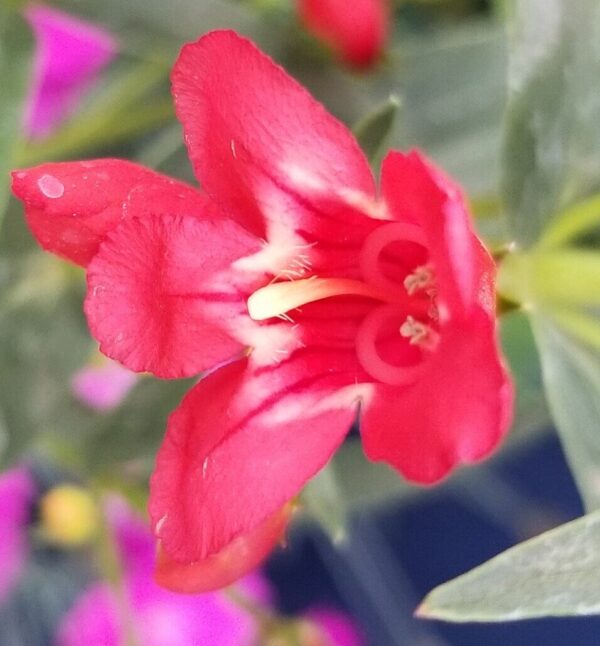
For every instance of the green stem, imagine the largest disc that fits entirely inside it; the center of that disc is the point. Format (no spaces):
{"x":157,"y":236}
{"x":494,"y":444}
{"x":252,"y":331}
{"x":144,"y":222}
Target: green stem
{"x":255,"y":610}
{"x":111,"y":568}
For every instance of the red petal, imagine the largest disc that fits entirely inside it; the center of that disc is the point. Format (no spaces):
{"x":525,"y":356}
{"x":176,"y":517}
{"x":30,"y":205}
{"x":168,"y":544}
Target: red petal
{"x":457,"y":413}
{"x":71,"y":206}
{"x":355,"y":30}
{"x":260,"y":144}
{"x":161,"y":293}
{"x":242,"y":443}
{"x":240,"y":557}
{"x":417,"y":191}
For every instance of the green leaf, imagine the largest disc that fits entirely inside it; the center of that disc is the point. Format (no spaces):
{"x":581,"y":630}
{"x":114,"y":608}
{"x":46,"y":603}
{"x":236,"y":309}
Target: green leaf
{"x":580,"y":219}
{"x":571,"y":371}
{"x":324,"y":501}
{"x":560,"y":289}
{"x":554,"y":574}
{"x":580,"y":325}
{"x":16,"y":52}
{"x":552,"y":139}
{"x":373,"y":131}
{"x":519,"y":348}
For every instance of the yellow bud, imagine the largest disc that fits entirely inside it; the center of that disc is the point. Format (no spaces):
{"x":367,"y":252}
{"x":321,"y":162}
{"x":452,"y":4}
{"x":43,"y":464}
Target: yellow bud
{"x":68,"y":516}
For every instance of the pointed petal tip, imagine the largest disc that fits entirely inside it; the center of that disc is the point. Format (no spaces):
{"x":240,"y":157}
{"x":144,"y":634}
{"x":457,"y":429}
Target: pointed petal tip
{"x":19,"y":182}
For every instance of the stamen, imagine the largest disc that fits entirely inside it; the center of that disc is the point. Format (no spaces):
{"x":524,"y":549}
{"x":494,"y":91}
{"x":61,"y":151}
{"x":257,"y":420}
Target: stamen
{"x":419,"y":333}
{"x":369,"y":357}
{"x":421,"y":278}
{"x":278,"y":298}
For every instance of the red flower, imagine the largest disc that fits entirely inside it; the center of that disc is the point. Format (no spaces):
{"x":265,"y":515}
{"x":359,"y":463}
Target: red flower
{"x":356,"y":31}
{"x":310,"y":293}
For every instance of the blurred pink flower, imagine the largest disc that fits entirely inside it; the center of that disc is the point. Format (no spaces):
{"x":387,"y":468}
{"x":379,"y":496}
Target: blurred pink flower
{"x":17,"y":493}
{"x":157,"y":617}
{"x":103,"y":386}
{"x":70,"y":54}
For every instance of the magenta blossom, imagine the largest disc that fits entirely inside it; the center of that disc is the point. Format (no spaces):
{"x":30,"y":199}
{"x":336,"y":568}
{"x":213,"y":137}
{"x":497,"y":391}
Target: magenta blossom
{"x":156,"y":617}
{"x":69,"y":56}
{"x":17,"y":495}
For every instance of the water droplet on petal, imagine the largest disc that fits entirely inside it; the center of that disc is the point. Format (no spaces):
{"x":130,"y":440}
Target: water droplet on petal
{"x":50,"y":186}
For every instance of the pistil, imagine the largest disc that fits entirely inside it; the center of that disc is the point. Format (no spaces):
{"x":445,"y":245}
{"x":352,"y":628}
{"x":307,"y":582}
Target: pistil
{"x":277,"y":299}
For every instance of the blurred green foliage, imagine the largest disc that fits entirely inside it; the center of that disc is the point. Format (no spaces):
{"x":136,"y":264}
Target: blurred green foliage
{"x":16,"y":55}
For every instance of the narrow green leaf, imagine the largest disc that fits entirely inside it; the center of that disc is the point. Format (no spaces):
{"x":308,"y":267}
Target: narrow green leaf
{"x":323,"y":500}
{"x":554,"y":574}
{"x":552,"y":139}
{"x":373,"y":131}
{"x":571,"y":371}
{"x":16,"y":52}
{"x":518,"y":346}
{"x":580,"y":325}
{"x":578,"y":220}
